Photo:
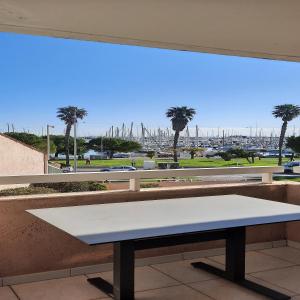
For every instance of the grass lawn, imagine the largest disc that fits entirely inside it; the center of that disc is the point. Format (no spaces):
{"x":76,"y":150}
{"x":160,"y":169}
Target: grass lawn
{"x":103,"y":163}
{"x":241,"y":162}
{"x":188,"y":163}
{"x":281,"y":178}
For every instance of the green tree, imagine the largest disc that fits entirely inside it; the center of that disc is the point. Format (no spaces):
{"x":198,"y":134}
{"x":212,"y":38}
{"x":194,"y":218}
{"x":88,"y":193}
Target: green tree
{"x":293,"y":142}
{"x":42,"y":145}
{"x":240,"y":153}
{"x":150,"y":154}
{"x":70,"y":115}
{"x":59,"y":142}
{"x":180,"y":116}
{"x":112,"y":145}
{"x":81,"y":146}
{"x":24,"y":137}
{"x":30,"y":139}
{"x":286,"y":112}
{"x":237,"y":153}
{"x":193,"y":151}
{"x":227,"y":156}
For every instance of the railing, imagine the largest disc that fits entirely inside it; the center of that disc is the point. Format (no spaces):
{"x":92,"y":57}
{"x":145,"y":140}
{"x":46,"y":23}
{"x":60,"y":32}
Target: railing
{"x":296,"y":169}
{"x":135,"y":177}
{"x":54,"y":170}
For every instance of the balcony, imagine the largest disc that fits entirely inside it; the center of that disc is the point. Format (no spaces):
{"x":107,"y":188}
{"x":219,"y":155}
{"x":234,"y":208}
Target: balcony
{"x":38,"y":261}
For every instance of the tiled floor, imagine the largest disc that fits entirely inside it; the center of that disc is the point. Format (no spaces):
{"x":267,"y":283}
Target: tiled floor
{"x":278,"y":268}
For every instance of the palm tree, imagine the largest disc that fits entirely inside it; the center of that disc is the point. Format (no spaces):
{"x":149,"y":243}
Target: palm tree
{"x":286,"y":112}
{"x":69,"y":115}
{"x":180,"y":116}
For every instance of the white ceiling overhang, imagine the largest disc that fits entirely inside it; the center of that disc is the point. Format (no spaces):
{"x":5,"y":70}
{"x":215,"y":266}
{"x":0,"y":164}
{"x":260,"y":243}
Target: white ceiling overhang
{"x":254,"y":28}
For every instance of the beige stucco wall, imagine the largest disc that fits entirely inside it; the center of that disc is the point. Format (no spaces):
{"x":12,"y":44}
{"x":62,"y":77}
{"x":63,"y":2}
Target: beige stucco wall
{"x":29,"y":245}
{"x":19,"y":159}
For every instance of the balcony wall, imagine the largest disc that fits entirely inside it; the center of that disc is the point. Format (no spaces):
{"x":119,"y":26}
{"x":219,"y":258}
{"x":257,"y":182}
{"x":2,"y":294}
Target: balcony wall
{"x":29,"y":245}
{"x":293,"y":197}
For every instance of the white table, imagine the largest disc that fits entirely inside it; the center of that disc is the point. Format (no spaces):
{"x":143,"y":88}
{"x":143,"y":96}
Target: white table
{"x":149,"y":224}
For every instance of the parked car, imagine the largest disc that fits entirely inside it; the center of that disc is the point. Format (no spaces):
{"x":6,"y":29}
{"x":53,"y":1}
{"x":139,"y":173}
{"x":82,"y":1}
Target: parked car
{"x":164,"y":154}
{"x":288,"y":167}
{"x":118,"y":168}
{"x":67,"y":169}
{"x":121,"y":155}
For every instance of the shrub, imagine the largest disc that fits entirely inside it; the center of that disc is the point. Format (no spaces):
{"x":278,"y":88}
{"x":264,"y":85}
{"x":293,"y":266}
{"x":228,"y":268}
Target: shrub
{"x":149,"y":185}
{"x":26,"y":191}
{"x":225,"y":155}
{"x":67,"y":187}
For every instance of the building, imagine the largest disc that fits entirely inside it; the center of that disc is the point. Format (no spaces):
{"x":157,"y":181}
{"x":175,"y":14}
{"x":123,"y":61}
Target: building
{"x":17,"y":158}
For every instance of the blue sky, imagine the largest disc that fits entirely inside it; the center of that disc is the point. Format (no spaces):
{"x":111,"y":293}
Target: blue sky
{"x":124,"y":83}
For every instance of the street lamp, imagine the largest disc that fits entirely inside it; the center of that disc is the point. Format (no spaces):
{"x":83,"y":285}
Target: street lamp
{"x":48,"y":140}
{"x":75,"y":144}
{"x":75,"y":140}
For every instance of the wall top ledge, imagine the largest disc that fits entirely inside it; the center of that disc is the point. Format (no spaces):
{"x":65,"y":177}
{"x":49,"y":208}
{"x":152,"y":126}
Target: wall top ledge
{"x":77,"y":195}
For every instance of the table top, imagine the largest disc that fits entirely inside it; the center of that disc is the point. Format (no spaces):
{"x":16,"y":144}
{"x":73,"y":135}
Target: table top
{"x":102,"y":223}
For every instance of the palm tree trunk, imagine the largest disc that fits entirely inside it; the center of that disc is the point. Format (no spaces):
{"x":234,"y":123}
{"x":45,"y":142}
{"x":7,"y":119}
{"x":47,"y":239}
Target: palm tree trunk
{"x":281,"y":140}
{"x":176,"y":137}
{"x":67,"y":144}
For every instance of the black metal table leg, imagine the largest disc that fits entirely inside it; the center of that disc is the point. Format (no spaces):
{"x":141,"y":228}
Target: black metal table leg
{"x":123,"y":272}
{"x":235,"y":253}
{"x":235,"y":265}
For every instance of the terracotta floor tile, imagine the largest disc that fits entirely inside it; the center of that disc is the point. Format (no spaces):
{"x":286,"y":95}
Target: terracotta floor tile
{"x":184,"y":272}
{"x":7,"y":294}
{"x":271,"y":267}
{"x":171,"y":293}
{"x":220,"y":289}
{"x":146,"y":278}
{"x":59,"y":289}
{"x":256,"y":262}
{"x":286,"y":253}
{"x":287,"y":278}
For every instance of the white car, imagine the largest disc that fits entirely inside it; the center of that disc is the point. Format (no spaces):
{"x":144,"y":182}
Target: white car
{"x":118,"y":168}
{"x":68,"y":169}
{"x":121,"y":155}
